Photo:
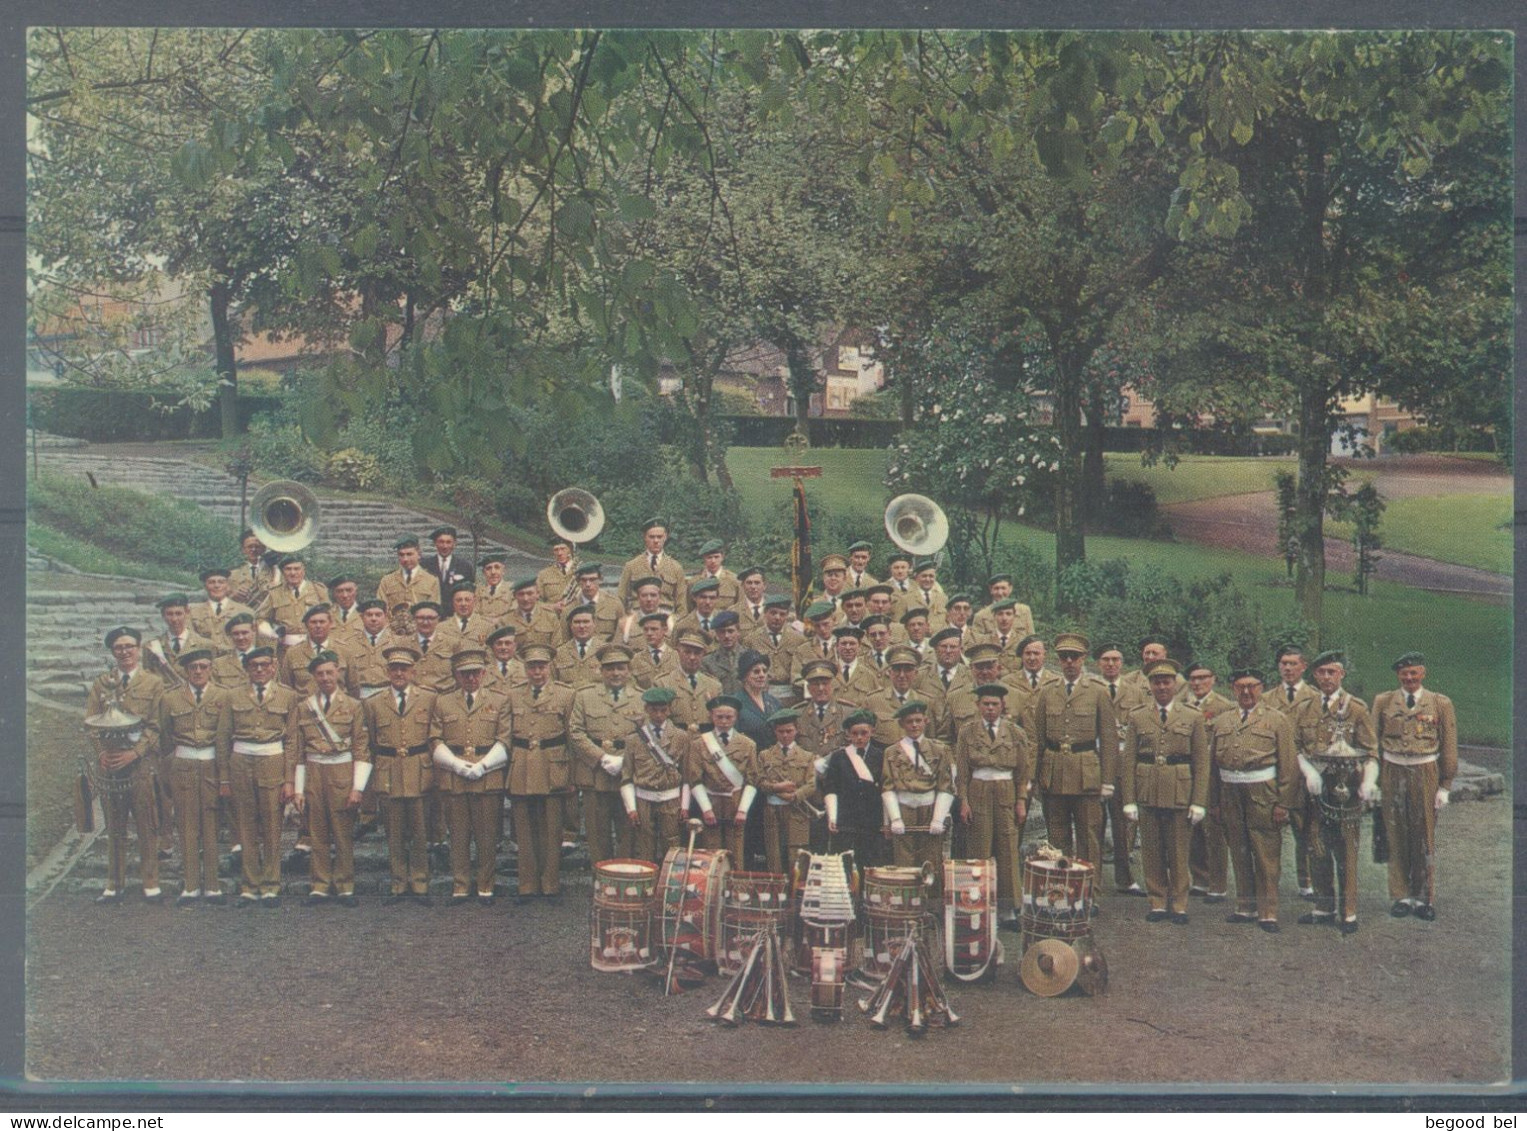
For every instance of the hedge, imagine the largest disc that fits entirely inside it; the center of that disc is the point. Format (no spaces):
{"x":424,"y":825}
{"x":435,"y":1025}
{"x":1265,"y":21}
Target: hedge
{"x":104,"y":415}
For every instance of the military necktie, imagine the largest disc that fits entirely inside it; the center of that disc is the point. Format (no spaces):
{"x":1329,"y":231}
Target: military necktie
{"x":1163,"y":716}
{"x":175,"y":644}
{"x":372,"y":635}
{"x":197,"y":690}
{"x":614,"y":695}
{"x":535,"y":692}
{"x":652,"y":558}
{"x":408,"y":576}
{"x":503,"y":668}
{"x":724,"y":737}
{"x":945,"y":674}
{"x":326,"y":702}
{"x":469,"y":700}
{"x":657,"y":657}
{"x":1244,"y":715}
{"x":1410,"y":697}
{"x":424,"y":644}
{"x":991,"y":729}
{"x":463,"y":623}
{"x":821,"y":711}
{"x":1290,"y":689}
{"x":705,"y":623}
{"x":825,"y":647}
{"x":1325,"y":703}
{"x":297,"y":593}
{"x":581,"y":645}
{"x":1034,"y":680}
{"x":217,"y":608}
{"x":402,"y":703}
{"x":880,"y":659}
{"x":1002,"y":640}
{"x":774,"y":636}
{"x":1113,"y":691}
{"x":757,"y":611}
{"x":259,"y":693}
{"x":1069,"y":686}
{"x":845,"y":673}
{"x":492,"y":590}
{"x":125,"y":676}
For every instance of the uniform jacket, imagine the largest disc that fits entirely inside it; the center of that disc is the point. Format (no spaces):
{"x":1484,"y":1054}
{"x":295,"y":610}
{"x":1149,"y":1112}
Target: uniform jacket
{"x":1086,"y":717}
{"x":1165,"y":766}
{"x":1430,"y":727}
{"x":1010,"y":750}
{"x":598,"y":726}
{"x":540,"y":754}
{"x":344,"y":718}
{"x":470,"y":733}
{"x":1264,"y":738}
{"x":400,"y":596}
{"x":400,"y":744}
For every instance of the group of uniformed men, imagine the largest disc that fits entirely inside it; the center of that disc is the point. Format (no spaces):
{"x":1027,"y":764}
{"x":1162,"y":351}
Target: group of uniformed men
{"x":889,"y":717}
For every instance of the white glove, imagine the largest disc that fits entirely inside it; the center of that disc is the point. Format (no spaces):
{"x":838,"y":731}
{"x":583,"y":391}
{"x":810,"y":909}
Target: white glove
{"x":898,"y":827}
{"x":611,"y":764}
{"x":1196,"y":813}
{"x":471,"y":771}
{"x":702,"y":796}
{"x":1312,"y":780}
{"x":821,"y":764}
{"x":496,"y":757}
{"x":1107,"y":791}
{"x":1442,"y":796}
{"x":749,"y":792}
{"x":361,"y":776}
{"x":628,"y":798}
{"x":1368,"y":790}
{"x":299,"y":785}
{"x":892,"y":806}
{"x":443,"y":757}
{"x":1132,"y":812}
{"x":935,"y":828}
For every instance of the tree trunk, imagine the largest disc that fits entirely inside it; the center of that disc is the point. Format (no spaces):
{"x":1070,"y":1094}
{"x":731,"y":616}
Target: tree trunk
{"x":908,"y":397}
{"x":1310,"y":501}
{"x":1070,"y":539}
{"x":224,"y":361}
{"x":803,"y":381}
{"x":1094,"y":475}
{"x":700,"y":460}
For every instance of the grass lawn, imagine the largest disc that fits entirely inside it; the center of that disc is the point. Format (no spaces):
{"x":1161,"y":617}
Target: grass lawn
{"x":1199,"y":477}
{"x":852,"y":479}
{"x":1471,"y":530}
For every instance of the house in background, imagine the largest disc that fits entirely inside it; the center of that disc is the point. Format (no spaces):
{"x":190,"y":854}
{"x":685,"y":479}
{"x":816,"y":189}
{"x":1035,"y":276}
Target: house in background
{"x":759,"y":374}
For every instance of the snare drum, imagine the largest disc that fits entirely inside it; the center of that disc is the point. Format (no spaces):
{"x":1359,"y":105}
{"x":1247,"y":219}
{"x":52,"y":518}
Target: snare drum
{"x":689,"y":900}
{"x":895,"y":906}
{"x":972,"y":949}
{"x":1057,"y":899}
{"x":751,"y":902}
{"x":829,"y":965}
{"x":620,"y":924}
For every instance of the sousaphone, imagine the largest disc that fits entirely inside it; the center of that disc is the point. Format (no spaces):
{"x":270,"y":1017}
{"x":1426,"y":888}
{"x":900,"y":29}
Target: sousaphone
{"x":917,"y":524}
{"x":575,"y":514}
{"x":284,"y":515}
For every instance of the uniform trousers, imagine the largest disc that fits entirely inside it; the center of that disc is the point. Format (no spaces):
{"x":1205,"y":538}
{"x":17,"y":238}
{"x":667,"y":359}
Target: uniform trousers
{"x":195,"y":786}
{"x":786,"y":831}
{"x":473,"y":818}
{"x":138,"y":806}
{"x":867,"y":845}
{"x":407,"y":844}
{"x":993,"y":834}
{"x":1303,"y":831}
{"x":1208,"y":857}
{"x":331,"y":824}
{"x":1255,"y":843}
{"x":538,"y":833}
{"x":1410,"y":818}
{"x":1333,"y":860}
{"x":256,"y":783}
{"x":914,"y":849}
{"x":608,"y":828}
{"x":1083,"y":813}
{"x":1164,"y":837}
{"x":725,"y":833}
{"x":1123,"y":840}
{"x":657,"y":828}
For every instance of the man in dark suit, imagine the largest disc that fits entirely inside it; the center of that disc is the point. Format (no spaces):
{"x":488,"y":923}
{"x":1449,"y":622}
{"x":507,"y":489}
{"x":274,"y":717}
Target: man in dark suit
{"x":445,"y":563}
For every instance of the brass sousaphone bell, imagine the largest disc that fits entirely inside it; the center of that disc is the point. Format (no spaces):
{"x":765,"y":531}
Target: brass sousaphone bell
{"x":284,"y":515}
{"x":575,"y":514}
{"x":917,"y":524}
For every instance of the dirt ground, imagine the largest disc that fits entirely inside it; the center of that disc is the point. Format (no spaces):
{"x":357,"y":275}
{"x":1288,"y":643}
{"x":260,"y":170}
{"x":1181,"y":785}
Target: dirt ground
{"x":506,"y":994}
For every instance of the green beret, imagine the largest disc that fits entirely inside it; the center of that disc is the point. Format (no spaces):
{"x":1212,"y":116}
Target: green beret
{"x":1289,"y":650}
{"x":724,"y":701}
{"x":912,"y":707}
{"x":416,"y":609}
{"x":850,"y":593}
{"x":321,"y":658}
{"x":779,"y":601}
{"x":714,"y":546}
{"x":1247,"y":673}
{"x":314,"y":610}
{"x":461,"y":587}
{"x":590,"y":570}
{"x":1103,"y":649}
{"x":860,"y":546}
{"x":405,"y":542}
{"x":188,"y":658}
{"x":899,"y":557}
{"x":880,"y":587}
{"x":996,"y":577}
{"x":242,"y":618}
{"x":859,"y":716}
{"x":643,"y":582}
{"x":651,"y":522}
{"x":1196,"y":666}
{"x":523,"y":583}
{"x":960,"y":599}
{"x":492,"y":559}
{"x":848,"y":630}
{"x":874,"y":620}
{"x":925,"y":564}
{"x":500,"y":633}
{"x":371,"y":603}
{"x":1410,"y":660}
{"x":783,"y":715}
{"x":1005,"y":603}
{"x":288,"y":559}
{"x":1334,"y":656}
{"x":658,"y":616}
{"x":342,"y":579}
{"x":575,"y":610}
{"x":1152,"y":639}
{"x":818,"y":609}
{"x":260,"y":653}
{"x":751,"y":571}
{"x":172,"y":601}
{"x":913,"y":614}
{"x":439,"y":530}
{"x":117,"y":633}
{"x":946,"y":634}
{"x":724,"y":618}
{"x":997,"y":689}
{"x":659,"y":696}
{"x":215,"y":571}
{"x":705,"y":585}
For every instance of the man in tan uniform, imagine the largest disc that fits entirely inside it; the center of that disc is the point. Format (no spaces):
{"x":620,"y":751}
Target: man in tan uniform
{"x":261,"y":738}
{"x":750,"y":602}
{"x":344,"y":607}
{"x":723,"y":776}
{"x":285,"y":603}
{"x":1418,"y":745}
{"x":900,"y":688}
{"x":1290,"y":696}
{"x":367,"y":645}
{"x":917,"y":790}
{"x":397,"y":719}
{"x":957,"y":615}
{"x":328,"y":767}
{"x":820,"y":616}
{"x":540,"y":773}
{"x":195,"y":736}
{"x":948,"y":672}
{"x":787,"y":779}
{"x":857,"y":678}
{"x":993,"y":767}
{"x":607,"y":610}
{"x":601,"y":725}
{"x":859,"y":576}
{"x":1110,"y":662}
{"x":248,"y":581}
{"x":469,"y":737}
{"x":406,"y":586}
{"x":1011,"y":622}
{"x":652,"y":781}
{"x":436,"y":644}
{"x":823,"y":717}
{"x":704,"y":596}
{"x":465,"y":623}
{"x":999,"y":587}
{"x":655,"y":657}
{"x":557,"y":584}
{"x":728,"y":584}
{"x":927,"y":593}
{"x":494,"y":600}
{"x":1077,"y":744}
{"x":692,"y":687}
{"x":533,"y":623}
{"x":1208,"y":857}
{"x":162,"y":654}
{"x":505,"y":668}
{"x":209,"y":618}
{"x":239,"y":640}
{"x":294,"y":663}
{"x":653,"y":562}
{"x":138,"y":693}
{"x":777,"y":640}
{"x":577,"y":662}
{"x":649,"y":599}
{"x":1255,"y":768}
{"x":1334,"y":735}
{"x":1165,"y":786}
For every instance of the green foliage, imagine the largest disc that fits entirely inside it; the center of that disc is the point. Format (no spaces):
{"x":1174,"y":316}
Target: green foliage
{"x":354,"y":470}
{"x":1209,"y":618}
{"x":1130,"y":511}
{"x":110,"y":415}
{"x":1444,"y":438}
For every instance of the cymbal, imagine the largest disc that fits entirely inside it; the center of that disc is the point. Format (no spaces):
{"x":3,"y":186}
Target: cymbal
{"x":1049,"y":967}
{"x":1092,"y":967}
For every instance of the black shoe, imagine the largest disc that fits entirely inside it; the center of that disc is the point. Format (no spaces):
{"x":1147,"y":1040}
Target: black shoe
{"x":315,"y":899}
{"x":217,"y":900}
{"x":394,"y":899}
{"x":186,"y":902}
{"x":1349,"y":926}
{"x":109,"y":897}
{"x":1317,"y":918}
{"x":1215,"y":898}
{"x":485,"y":900}
{"x":422,"y":898}
{"x":460,"y":900}
{"x":1269,"y":925}
{"x":348,"y":900}
{"x":1133,"y":889}
{"x":245,"y":900}
{"x":1425,"y":911}
{"x":1180,"y":918}
{"x":1400,"y":909}
{"x":1240,"y":917}
{"x":1154,"y":916}
{"x":523,"y":898}
{"x":270,"y":902}
{"x":156,"y":898}
{"x":1008,"y":925}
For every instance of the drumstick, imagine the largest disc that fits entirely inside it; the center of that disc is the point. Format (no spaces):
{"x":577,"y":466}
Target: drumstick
{"x":673,"y":949}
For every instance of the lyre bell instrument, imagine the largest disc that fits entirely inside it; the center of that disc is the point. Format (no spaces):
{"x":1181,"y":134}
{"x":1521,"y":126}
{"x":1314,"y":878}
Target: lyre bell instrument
{"x":284,"y":515}
{"x":917,"y":524}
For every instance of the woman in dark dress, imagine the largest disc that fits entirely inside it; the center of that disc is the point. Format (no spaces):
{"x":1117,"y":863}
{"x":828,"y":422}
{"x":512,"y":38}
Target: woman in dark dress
{"x":752,"y":720}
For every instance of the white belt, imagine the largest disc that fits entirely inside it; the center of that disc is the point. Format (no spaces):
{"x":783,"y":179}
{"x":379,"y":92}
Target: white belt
{"x":776,"y":799}
{"x":331,"y":759}
{"x":258,"y":749}
{"x":1408,"y":759}
{"x":990,"y":773}
{"x":1247,"y":777}
{"x":196,"y":753}
{"x":656,"y":796}
{"x":720,"y":793}
{"x":915,"y":799}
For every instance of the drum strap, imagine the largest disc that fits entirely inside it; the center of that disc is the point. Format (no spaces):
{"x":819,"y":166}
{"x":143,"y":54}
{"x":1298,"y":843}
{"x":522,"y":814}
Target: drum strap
{"x":323,"y":724}
{"x":857,"y":762}
{"x":650,"y":738}
{"x":723,"y":763}
{"x":915,"y":756}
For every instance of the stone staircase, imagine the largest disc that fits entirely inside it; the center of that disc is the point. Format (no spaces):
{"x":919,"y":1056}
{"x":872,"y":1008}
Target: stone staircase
{"x":65,"y":629}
